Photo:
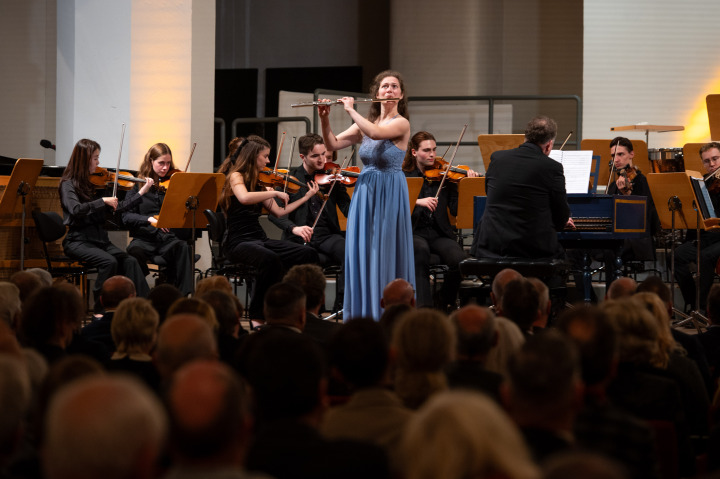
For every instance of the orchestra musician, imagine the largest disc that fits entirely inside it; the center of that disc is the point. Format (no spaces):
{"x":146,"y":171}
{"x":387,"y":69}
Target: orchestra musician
{"x":379,"y":232}
{"x":149,"y":241}
{"x":326,"y":237}
{"x":84,"y":207}
{"x":686,"y":253}
{"x":526,"y":199}
{"x":242,"y":199}
{"x":432,"y":231}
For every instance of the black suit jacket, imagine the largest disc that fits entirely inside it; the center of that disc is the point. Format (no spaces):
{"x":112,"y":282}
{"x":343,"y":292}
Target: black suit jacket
{"x":526,"y":204}
{"x":302,"y":217}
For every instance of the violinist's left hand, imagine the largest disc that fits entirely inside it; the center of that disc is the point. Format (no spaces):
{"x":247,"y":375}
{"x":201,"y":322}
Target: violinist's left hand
{"x":472,"y":174}
{"x":312,"y":190}
{"x":146,"y":187}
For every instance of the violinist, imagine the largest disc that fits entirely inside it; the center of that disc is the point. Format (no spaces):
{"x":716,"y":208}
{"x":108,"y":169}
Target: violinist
{"x":84,"y":207}
{"x":686,"y":253}
{"x":242,"y":199}
{"x":432,"y":232}
{"x":149,"y":241}
{"x":326,"y":237}
{"x":629,"y":180}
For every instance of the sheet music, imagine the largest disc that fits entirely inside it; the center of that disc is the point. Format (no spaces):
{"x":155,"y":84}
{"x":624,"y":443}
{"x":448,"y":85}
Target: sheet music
{"x":703,"y":196}
{"x":577,"y":166}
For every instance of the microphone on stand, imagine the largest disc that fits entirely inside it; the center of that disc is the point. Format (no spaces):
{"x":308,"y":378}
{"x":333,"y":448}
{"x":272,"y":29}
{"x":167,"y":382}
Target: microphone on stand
{"x":47,"y":144}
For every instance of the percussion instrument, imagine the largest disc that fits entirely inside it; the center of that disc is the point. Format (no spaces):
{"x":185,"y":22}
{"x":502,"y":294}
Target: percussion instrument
{"x":666,"y":160}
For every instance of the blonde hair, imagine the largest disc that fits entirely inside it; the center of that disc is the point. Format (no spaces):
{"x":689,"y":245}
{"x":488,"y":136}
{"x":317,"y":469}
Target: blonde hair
{"x":463,"y":434}
{"x":510,"y":339}
{"x":134,"y":326}
{"x":637,"y":331}
{"x":424,"y":342}
{"x":657,"y":308}
{"x":211,"y":283}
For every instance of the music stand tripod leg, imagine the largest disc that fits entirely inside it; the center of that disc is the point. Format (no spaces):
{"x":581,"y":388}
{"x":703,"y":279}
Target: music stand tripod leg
{"x":695,"y":316}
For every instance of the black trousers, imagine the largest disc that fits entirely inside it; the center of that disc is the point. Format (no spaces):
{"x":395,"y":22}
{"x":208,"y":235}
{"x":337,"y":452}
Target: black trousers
{"x":109,"y":261}
{"x":271,"y":258}
{"x":686,"y":254}
{"x":174,"y":251}
{"x":450,"y":254}
{"x":334,"y":247}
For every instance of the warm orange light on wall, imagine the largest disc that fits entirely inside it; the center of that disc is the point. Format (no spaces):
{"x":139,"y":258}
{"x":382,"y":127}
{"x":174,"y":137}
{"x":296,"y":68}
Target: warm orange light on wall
{"x":697,"y":127}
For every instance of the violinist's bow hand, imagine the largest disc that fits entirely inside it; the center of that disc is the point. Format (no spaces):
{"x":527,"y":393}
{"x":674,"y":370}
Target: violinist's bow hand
{"x":570,"y":224}
{"x":111,"y":201}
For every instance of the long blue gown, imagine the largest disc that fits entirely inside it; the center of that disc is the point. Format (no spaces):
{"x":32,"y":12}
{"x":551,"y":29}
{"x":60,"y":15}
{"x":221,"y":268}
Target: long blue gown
{"x":379,"y":240}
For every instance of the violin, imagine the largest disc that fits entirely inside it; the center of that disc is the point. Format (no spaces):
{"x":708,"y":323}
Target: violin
{"x":629,"y":172}
{"x":455,"y":174}
{"x":280,"y":179}
{"x":334,"y":173}
{"x":712,"y":181}
{"x":101,"y":178}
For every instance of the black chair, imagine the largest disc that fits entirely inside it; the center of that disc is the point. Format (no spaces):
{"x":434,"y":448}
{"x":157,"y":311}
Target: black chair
{"x":50,"y":228}
{"x":237,"y":273}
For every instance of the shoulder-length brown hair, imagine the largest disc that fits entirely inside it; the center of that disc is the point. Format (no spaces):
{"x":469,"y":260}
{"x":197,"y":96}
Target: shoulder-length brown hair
{"x":155,"y":152}
{"x":375,"y":87}
{"x":77,"y":170}
{"x":244,"y":161}
{"x":414,"y":144}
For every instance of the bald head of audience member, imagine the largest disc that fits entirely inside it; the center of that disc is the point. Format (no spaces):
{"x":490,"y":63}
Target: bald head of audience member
{"x":476,"y":332}
{"x":183,"y":338}
{"x":498,"y":287}
{"x":621,"y":288}
{"x":284,"y":305}
{"x":398,"y":291}
{"x":114,"y":290}
{"x":209,"y":415}
{"x":103,"y":426}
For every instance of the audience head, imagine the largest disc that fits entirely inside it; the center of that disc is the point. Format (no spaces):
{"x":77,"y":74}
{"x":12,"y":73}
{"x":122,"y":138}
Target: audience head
{"x":521,"y":303}
{"x":50,"y":316}
{"x":655,"y":284}
{"x":390,"y":316}
{"x":510,"y":339}
{"x":181,"y":339}
{"x":225,"y":307}
{"x":585,"y":464}
{"x":10,"y":304}
{"x":287,"y":374}
{"x":545,"y":304}
{"x":621,"y":288}
{"x":541,"y":131}
{"x":544,"y":382}
{"x":27,"y":283}
{"x":134,"y":326}
{"x":657,"y":309}
{"x":476,"y":331}
{"x":210,"y":421}
{"x":115,"y":289}
{"x":596,"y":341}
{"x":463,"y":434}
{"x":284,"y":305}
{"x":195,"y":306}
{"x":359,"y":351}
{"x":637,"y":331}
{"x":103,"y":426}
{"x":217,"y":282}
{"x":311,"y":279}
{"x":162,"y":297}
{"x":498,"y":286}
{"x":45,"y":277}
{"x":398,"y":291}
{"x":14,"y":403}
{"x":424,"y":344}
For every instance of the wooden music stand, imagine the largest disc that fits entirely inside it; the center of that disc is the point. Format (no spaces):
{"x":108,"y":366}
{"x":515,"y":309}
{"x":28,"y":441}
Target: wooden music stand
{"x":414,"y":187}
{"x":489,"y":144}
{"x":713,"y":109}
{"x":691,"y":156}
{"x":188,"y":195}
{"x":22,"y":180}
{"x":675,"y":190}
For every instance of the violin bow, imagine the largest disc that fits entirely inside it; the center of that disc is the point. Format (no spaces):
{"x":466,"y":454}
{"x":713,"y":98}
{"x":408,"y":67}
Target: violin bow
{"x":287,"y":175}
{"x":345,"y":162}
{"x":117,"y":168}
{"x":452,"y":158}
{"x":566,"y":139}
{"x":192,"y":150}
